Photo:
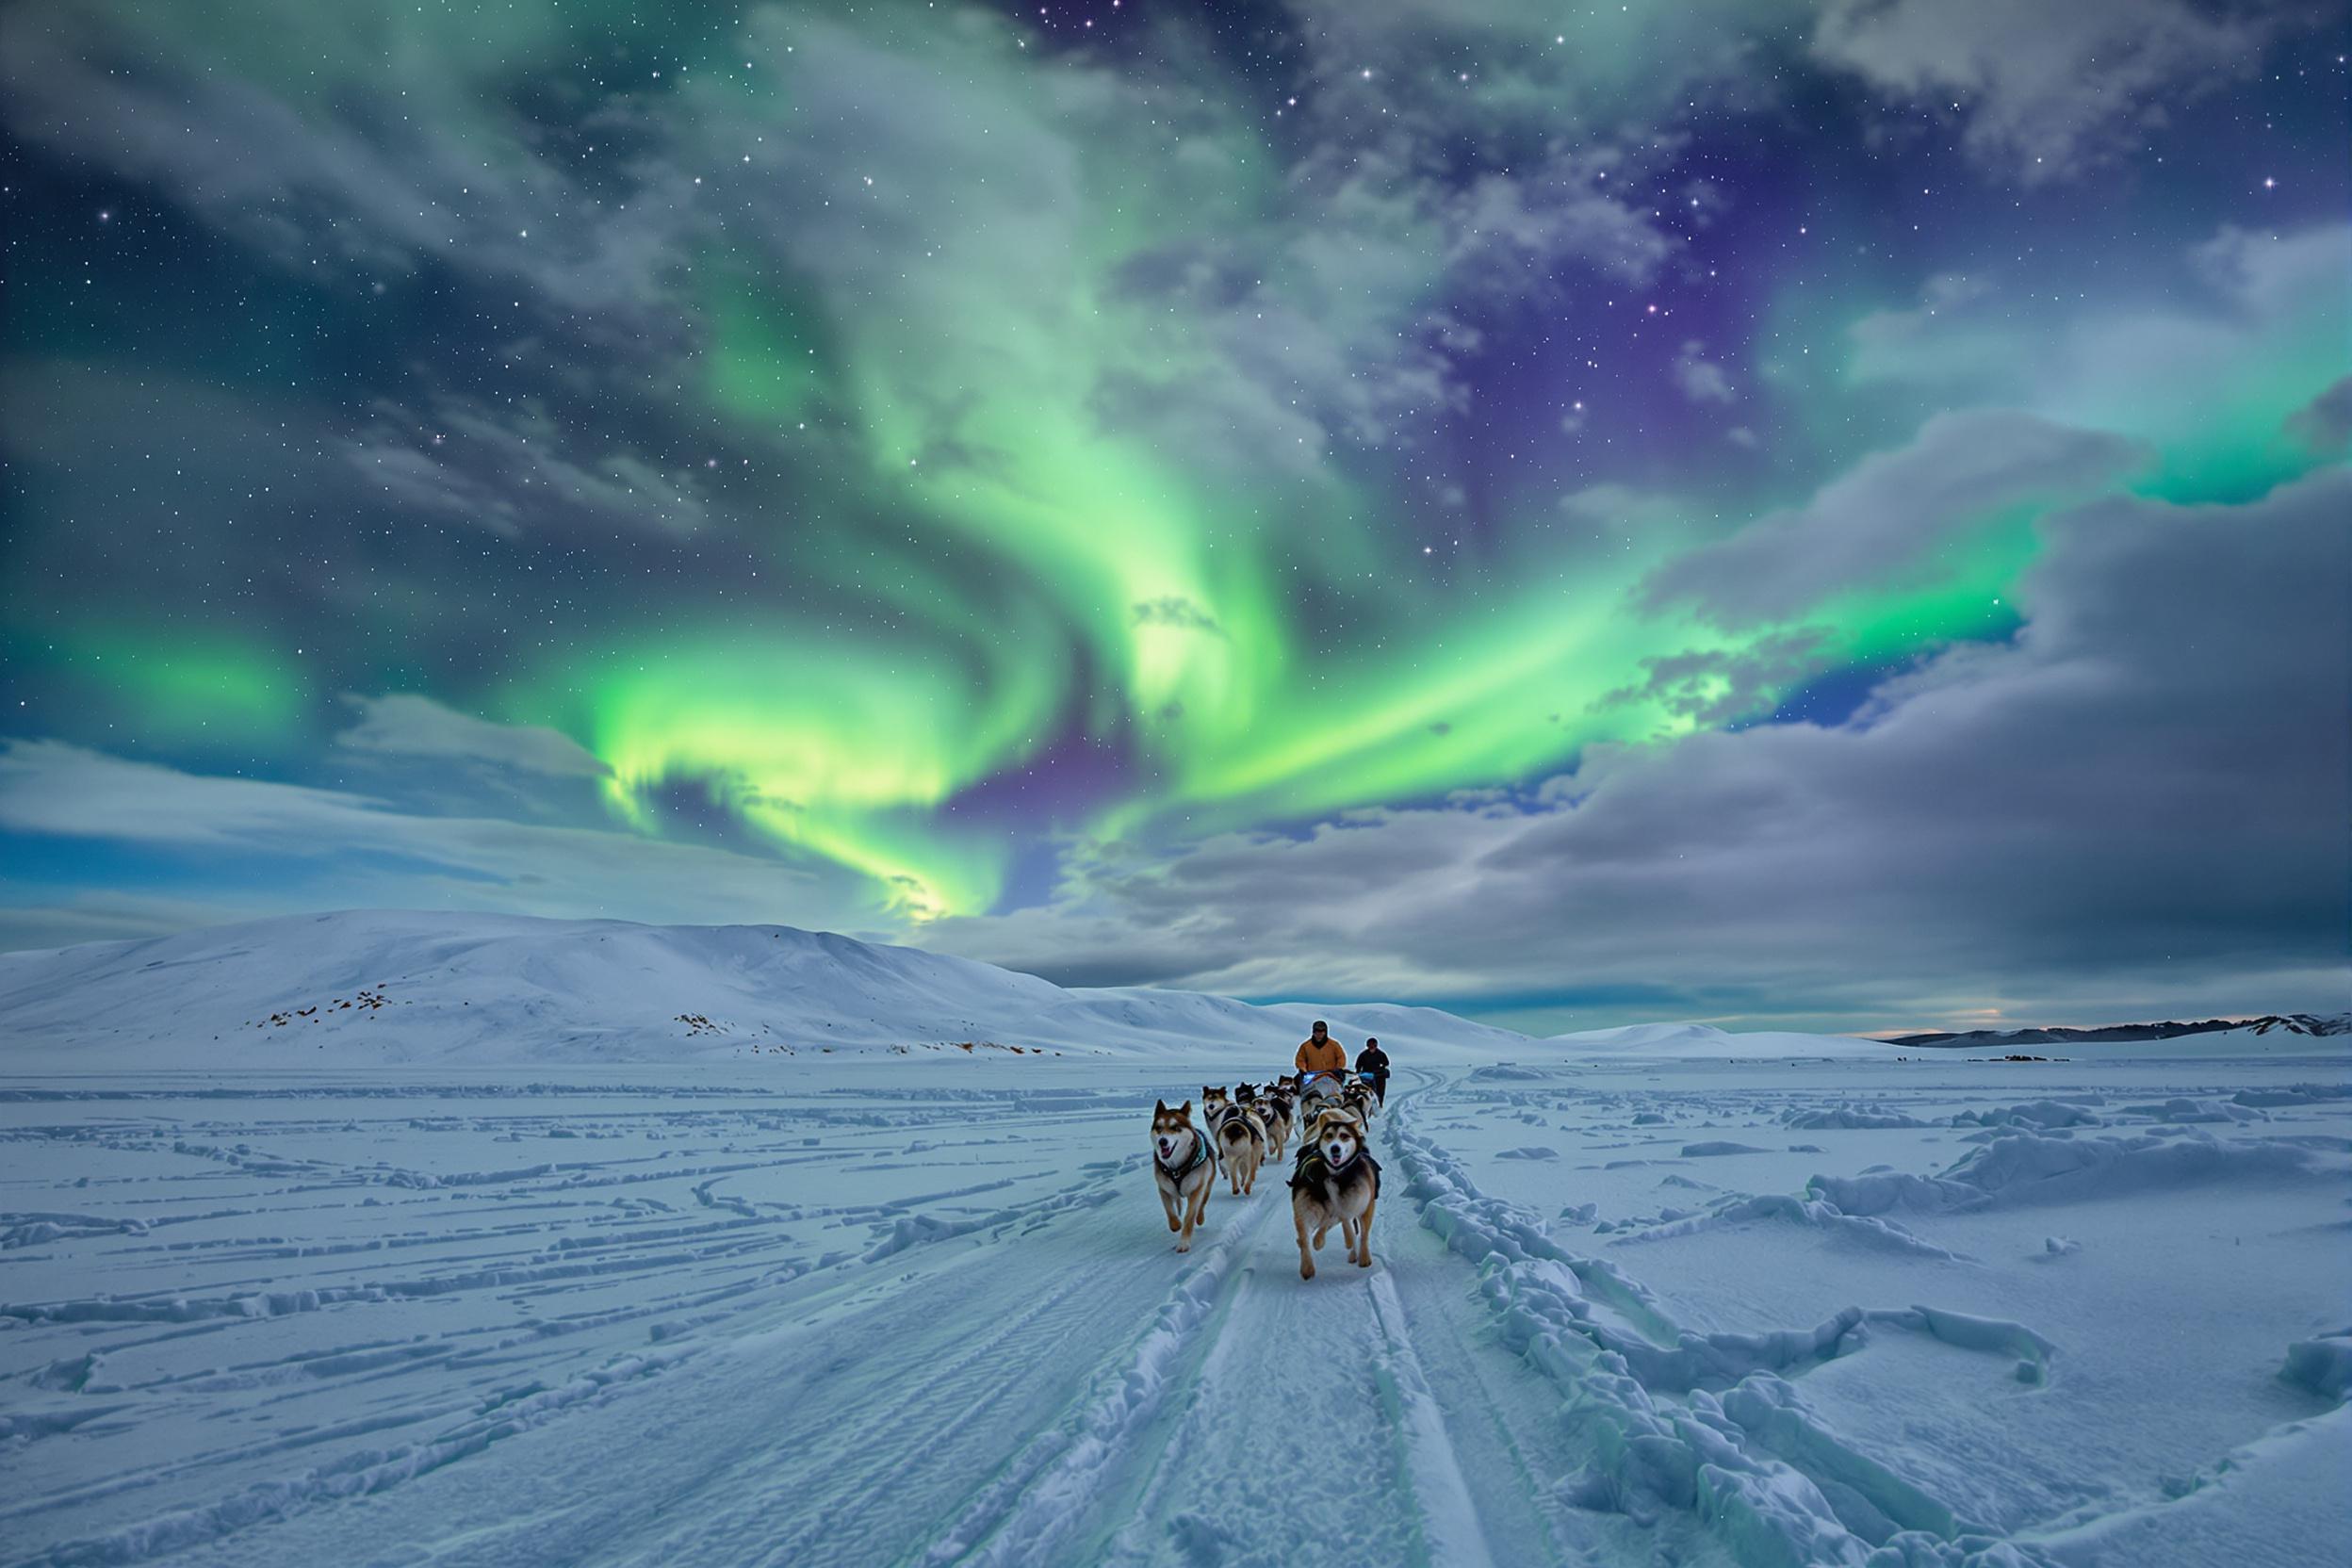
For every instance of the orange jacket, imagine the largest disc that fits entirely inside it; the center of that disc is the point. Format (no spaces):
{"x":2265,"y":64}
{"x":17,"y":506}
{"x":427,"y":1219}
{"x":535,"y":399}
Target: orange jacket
{"x":1331,"y":1056}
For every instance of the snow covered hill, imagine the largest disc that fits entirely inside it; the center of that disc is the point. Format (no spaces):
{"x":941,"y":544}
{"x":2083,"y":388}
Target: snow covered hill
{"x":367,"y":987}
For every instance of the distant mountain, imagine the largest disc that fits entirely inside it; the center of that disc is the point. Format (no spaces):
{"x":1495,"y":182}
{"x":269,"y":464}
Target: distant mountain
{"x":2293,"y":1023}
{"x":1705,"y":1040}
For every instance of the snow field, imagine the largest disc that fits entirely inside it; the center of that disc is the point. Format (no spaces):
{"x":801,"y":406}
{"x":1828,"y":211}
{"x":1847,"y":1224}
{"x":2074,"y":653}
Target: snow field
{"x":890,"y":1311}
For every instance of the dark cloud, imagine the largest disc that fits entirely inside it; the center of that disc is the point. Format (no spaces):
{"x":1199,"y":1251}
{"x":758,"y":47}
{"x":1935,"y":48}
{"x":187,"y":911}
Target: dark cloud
{"x":409,"y":176}
{"x":2326,"y":422}
{"x":2136,"y":806}
{"x":512,"y":471}
{"x":1715,"y":686}
{"x":2048,"y":91}
{"x":1178,"y":611}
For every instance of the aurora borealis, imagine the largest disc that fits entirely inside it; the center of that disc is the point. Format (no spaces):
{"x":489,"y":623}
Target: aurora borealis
{"x":1568,"y":513}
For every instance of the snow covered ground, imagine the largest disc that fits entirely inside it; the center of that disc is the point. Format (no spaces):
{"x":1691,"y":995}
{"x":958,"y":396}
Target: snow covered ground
{"x":1649,"y":1299}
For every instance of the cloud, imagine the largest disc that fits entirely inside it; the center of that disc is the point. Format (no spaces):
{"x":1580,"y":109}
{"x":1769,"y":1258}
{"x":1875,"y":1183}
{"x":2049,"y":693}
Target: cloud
{"x":404,"y":724}
{"x":1896,"y":340}
{"x":33,"y":915}
{"x":2135,"y":807}
{"x":330,"y":848}
{"x":1178,"y":612}
{"x":1889,"y":515}
{"x":1715,"y":686}
{"x":1513,"y":231}
{"x":2216,"y":362}
{"x":2048,"y":91}
{"x":1701,"y":379}
{"x":506,"y":471}
{"x":408,"y":175}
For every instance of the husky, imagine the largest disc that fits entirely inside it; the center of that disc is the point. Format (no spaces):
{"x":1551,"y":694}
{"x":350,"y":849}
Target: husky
{"x":1348,"y":1114}
{"x":1358,"y":1096}
{"x":1183,"y":1168}
{"x":1273,"y":1109}
{"x":1242,"y":1139}
{"x":1334,"y":1183}
{"x":1216,"y":1106}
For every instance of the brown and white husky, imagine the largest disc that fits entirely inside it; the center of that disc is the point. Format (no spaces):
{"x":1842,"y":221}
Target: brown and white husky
{"x":1183,"y":1168}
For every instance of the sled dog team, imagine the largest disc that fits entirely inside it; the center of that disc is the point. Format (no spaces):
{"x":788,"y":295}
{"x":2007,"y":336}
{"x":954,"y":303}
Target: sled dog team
{"x":1333,"y":1180}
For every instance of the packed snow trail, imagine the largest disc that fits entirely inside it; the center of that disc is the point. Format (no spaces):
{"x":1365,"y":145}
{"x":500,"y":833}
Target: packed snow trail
{"x":1358,"y":1467}
{"x":872,"y":1319}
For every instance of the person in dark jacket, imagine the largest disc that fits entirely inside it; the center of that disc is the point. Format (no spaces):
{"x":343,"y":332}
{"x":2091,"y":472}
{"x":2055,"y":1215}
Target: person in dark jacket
{"x":1372,"y":1063}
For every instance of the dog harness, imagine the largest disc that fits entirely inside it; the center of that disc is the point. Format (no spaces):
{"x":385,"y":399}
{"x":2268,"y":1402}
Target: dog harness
{"x":1303,"y":1173}
{"x":1313,"y":1167}
{"x":1202,"y":1148}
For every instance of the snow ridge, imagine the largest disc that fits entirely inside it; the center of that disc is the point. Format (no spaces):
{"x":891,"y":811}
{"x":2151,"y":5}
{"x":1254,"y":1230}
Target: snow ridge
{"x":1643,"y":1390}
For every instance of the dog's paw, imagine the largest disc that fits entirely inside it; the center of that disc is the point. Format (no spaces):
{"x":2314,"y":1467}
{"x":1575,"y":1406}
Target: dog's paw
{"x":1306,"y":1268}
{"x":1184,"y":1247}
{"x":1174,"y":1223}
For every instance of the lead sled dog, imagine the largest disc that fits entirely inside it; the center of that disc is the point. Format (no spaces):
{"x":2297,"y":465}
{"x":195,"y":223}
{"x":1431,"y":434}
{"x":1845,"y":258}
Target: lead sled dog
{"x":1334,"y":1183}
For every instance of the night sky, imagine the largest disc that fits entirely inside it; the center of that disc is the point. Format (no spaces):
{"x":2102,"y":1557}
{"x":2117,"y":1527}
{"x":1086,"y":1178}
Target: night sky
{"x":1822,"y":515}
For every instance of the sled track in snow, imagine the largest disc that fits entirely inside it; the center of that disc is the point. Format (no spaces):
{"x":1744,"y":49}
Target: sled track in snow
{"x":1045,"y":1492}
{"x":779,"y":1501}
{"x":1299,"y":1382}
{"x":1449,"y":1518}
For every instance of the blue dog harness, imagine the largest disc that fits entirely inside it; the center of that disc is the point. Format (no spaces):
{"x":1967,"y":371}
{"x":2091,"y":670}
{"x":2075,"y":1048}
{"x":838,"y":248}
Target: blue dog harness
{"x":1203,"y":1147}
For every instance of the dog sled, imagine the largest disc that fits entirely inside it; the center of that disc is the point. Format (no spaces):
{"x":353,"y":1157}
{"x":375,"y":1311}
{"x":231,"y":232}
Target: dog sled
{"x":1320,"y":1091}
